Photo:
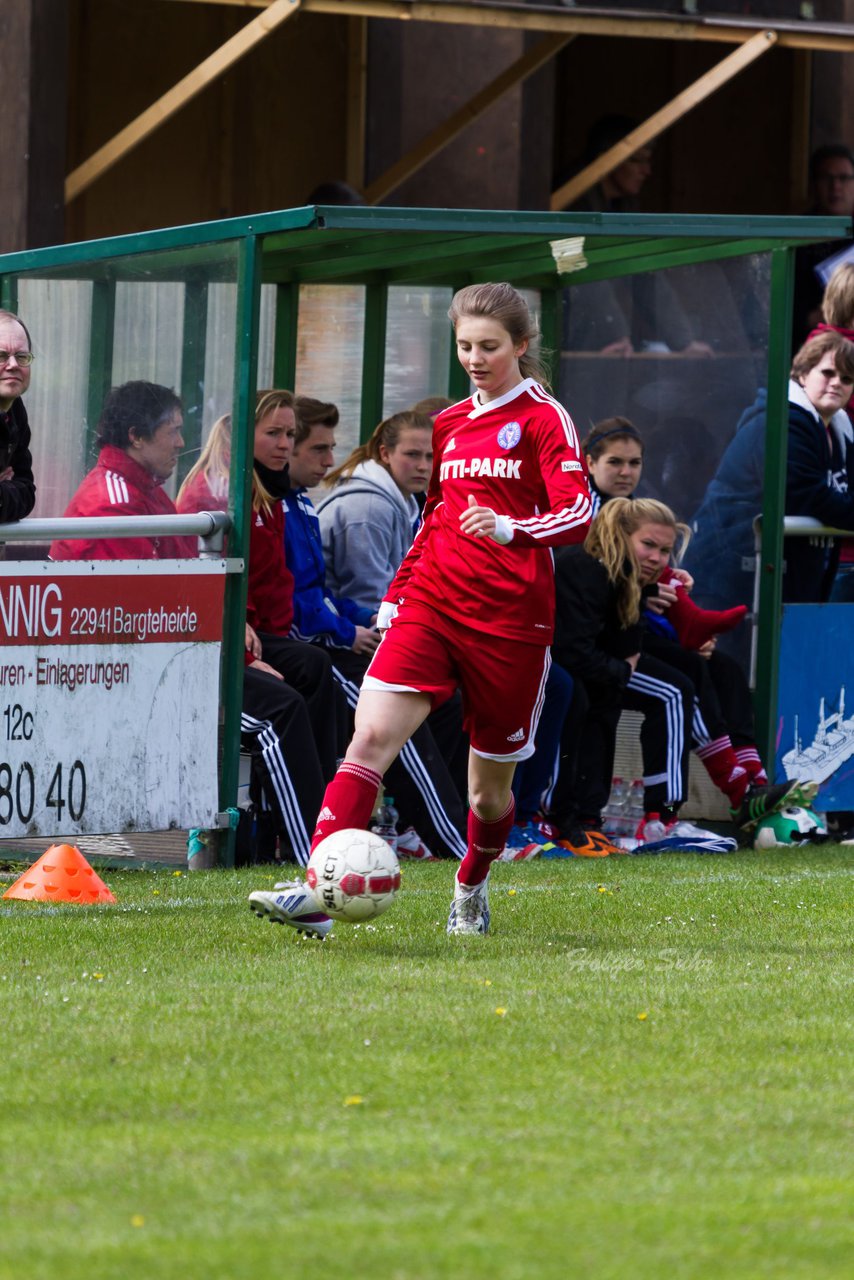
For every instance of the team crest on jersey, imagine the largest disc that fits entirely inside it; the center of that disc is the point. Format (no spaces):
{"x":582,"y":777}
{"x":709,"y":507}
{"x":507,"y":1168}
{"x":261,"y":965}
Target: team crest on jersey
{"x":510,"y":435}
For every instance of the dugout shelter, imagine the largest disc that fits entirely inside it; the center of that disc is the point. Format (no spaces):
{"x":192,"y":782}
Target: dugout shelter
{"x":349,"y":304}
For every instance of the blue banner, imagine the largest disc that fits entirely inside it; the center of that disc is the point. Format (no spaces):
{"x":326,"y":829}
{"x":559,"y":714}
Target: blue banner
{"x":815,"y":726}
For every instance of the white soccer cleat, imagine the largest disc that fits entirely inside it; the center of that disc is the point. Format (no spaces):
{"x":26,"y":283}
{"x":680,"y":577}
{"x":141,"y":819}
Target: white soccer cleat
{"x":293,"y":903}
{"x":469,"y":909}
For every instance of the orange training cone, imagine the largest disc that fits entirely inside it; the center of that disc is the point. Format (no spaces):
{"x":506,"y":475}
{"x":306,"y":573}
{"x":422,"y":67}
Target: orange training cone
{"x":61,"y":874}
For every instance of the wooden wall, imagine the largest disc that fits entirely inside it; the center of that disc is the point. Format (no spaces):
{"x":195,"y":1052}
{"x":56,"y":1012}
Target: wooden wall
{"x":260,"y":138}
{"x":266,"y":133}
{"x":731,"y":154}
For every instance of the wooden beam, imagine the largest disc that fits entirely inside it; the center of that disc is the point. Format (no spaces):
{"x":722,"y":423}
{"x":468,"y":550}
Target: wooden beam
{"x":792,"y":34}
{"x":186,"y":89}
{"x":357,"y":97}
{"x":799,"y":155}
{"x":444,"y":133}
{"x":679,"y":106}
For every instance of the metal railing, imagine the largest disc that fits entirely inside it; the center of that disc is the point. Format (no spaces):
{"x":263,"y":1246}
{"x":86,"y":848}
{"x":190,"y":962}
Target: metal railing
{"x":210,"y":526}
{"x":793,"y":527}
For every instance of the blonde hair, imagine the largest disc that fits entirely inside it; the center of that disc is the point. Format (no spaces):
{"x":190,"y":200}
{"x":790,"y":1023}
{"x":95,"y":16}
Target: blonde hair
{"x":215,"y":459}
{"x":609,"y":541}
{"x":387,"y":433}
{"x":501,"y":302}
{"x":837,"y":305}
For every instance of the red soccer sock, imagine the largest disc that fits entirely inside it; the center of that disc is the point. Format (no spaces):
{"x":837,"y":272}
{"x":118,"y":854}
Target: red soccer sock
{"x":724,"y":770}
{"x":694,"y":626}
{"x":748,"y":758}
{"x":485,"y":842}
{"x":347,"y":802}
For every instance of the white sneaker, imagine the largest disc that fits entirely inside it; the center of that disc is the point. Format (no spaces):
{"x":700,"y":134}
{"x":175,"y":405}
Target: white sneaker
{"x":410,"y":845}
{"x":469,"y":909}
{"x":293,"y":903}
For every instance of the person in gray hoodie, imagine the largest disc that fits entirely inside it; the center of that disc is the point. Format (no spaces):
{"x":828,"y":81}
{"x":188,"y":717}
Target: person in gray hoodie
{"x":370,"y":518}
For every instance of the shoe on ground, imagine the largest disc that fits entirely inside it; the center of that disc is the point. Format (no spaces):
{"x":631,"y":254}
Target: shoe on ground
{"x":410,"y":845}
{"x":524,"y":841}
{"x":293,"y":903}
{"x":803,"y":794}
{"x":760,"y":802}
{"x":581,"y":842}
{"x":469,"y":908}
{"x":548,"y":830}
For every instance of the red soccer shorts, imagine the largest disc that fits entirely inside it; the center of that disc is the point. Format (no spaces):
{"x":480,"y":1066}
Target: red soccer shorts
{"x":502,"y":681}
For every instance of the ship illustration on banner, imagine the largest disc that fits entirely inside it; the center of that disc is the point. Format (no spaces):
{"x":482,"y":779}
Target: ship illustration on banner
{"x":832,"y":745}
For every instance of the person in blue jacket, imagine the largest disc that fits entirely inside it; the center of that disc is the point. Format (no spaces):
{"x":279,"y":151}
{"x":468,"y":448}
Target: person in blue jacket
{"x":820,"y":458}
{"x":421,"y":780}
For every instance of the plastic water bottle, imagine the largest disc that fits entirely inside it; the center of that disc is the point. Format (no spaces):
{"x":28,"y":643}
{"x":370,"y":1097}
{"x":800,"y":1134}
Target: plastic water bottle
{"x":616,"y":811}
{"x":385,"y":825}
{"x":654,"y":829}
{"x":635,"y":806}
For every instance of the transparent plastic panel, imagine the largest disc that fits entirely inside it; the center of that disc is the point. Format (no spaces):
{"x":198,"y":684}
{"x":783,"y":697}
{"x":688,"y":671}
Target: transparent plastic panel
{"x":682,"y":354}
{"x":266,"y":338}
{"x":147,"y":337}
{"x":164,"y":318}
{"x":418,"y":345}
{"x":58,"y":314}
{"x":330,"y":339}
{"x":219,"y":353}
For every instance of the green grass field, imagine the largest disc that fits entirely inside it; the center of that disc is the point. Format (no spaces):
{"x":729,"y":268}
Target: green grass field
{"x":645,"y":1071}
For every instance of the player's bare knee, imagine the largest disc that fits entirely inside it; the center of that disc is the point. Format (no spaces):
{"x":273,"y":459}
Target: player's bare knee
{"x":370,"y":747}
{"x":488,"y":802}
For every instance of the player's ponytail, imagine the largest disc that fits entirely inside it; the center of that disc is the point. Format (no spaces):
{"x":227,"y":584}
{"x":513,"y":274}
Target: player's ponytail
{"x":503,"y":303}
{"x":387,"y":433}
{"x":608,"y":541}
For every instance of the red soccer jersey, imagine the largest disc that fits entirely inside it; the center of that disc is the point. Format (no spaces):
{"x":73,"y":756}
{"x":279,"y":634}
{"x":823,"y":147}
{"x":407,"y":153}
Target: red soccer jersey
{"x":520,"y":456}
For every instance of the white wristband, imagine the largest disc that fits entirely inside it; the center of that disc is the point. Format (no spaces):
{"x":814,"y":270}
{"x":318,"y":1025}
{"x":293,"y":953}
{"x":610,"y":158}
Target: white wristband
{"x":503,"y":530}
{"x":386,"y":614}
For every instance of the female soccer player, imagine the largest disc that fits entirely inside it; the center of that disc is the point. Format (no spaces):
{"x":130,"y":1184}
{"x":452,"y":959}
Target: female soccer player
{"x":472,"y":605}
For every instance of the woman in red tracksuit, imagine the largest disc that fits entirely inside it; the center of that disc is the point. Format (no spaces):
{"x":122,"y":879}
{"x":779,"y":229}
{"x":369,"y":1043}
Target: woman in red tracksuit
{"x":290,"y":703}
{"x":139,"y":441}
{"x":472,"y":605}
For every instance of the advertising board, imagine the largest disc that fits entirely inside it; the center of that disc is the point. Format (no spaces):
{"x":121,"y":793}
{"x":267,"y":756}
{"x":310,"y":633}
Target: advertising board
{"x":109,"y":696}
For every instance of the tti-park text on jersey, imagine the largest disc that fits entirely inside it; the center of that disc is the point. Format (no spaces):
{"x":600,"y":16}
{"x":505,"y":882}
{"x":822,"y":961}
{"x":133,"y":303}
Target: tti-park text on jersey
{"x":459,"y":469}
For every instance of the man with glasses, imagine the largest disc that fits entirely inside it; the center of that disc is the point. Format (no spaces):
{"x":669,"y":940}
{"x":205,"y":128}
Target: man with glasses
{"x":17,"y":489}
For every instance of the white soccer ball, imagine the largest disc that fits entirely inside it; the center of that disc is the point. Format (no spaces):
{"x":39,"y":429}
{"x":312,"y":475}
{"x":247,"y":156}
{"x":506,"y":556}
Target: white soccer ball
{"x":354,"y":875}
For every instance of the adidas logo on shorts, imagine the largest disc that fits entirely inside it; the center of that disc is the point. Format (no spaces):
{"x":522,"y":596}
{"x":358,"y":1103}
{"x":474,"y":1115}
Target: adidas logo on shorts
{"x":517,"y":736}
{"x":325,"y":815}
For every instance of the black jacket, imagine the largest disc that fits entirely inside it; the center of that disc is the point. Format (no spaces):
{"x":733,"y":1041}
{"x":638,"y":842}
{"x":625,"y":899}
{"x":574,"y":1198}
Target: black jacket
{"x":817,"y":470}
{"x":590,"y":642}
{"x":18,"y":495}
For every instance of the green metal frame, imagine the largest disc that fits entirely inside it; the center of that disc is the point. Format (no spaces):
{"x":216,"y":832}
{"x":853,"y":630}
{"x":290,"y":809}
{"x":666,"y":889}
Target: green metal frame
{"x":373,"y":357}
{"x":382,"y":247}
{"x":240,"y":486}
{"x":193,"y":369}
{"x":101,"y":341}
{"x":774,"y":505}
{"x":285,"y":339}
